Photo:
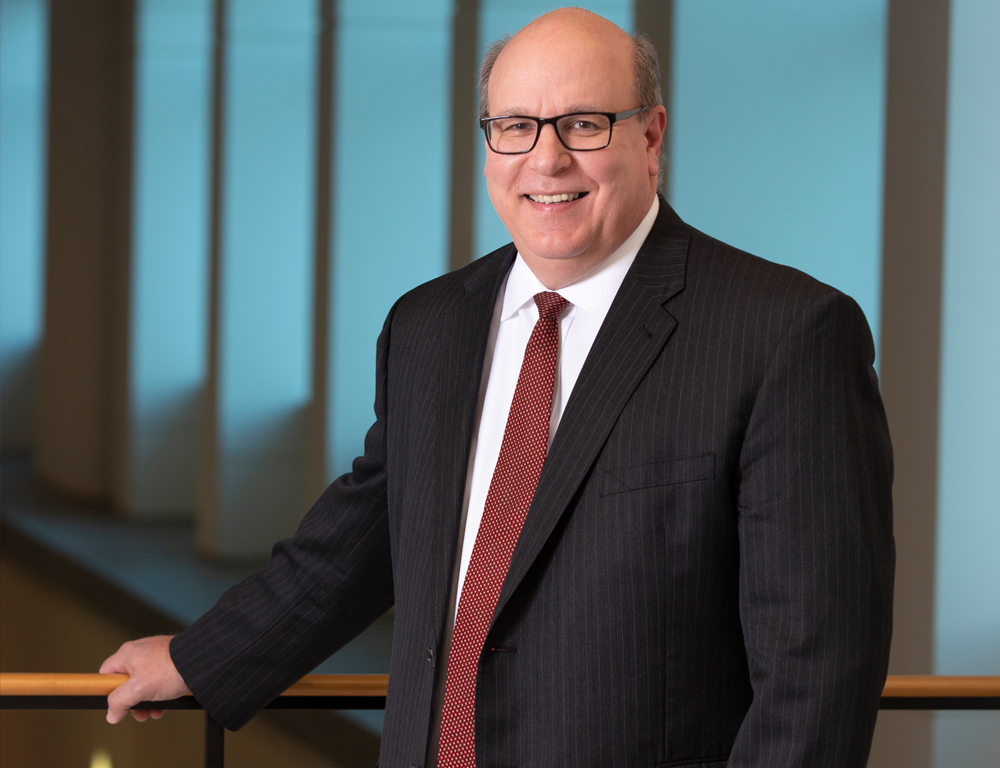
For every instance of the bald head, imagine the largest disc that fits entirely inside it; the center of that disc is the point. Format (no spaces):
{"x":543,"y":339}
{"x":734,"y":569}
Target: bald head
{"x":574,"y":29}
{"x":579,"y":27}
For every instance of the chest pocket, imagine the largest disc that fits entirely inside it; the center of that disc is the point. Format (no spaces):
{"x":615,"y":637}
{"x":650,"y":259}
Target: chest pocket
{"x":658,"y":473}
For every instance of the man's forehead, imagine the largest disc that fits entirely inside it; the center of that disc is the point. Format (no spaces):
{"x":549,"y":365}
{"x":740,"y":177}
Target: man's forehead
{"x":569,"y":84}
{"x":552,"y":54}
{"x":558,"y":95}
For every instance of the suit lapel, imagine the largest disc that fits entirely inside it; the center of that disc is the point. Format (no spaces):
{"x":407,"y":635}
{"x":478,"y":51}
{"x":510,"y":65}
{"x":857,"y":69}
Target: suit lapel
{"x":631,"y":338}
{"x":465,"y":335}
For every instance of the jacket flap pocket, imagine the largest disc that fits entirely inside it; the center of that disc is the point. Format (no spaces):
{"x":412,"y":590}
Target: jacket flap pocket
{"x":659,"y":473}
{"x":710,"y":763}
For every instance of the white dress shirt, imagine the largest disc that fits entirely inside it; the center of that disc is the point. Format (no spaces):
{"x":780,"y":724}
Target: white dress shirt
{"x":514,"y":317}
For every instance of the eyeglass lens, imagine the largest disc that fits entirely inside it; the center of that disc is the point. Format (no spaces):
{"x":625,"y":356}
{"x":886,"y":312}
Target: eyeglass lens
{"x":517,"y":134}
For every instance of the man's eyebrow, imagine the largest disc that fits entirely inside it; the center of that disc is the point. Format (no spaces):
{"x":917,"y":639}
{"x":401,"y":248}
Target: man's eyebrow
{"x":521,"y":111}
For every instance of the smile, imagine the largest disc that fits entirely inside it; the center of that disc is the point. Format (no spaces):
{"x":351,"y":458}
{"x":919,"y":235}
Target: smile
{"x":562,"y":198}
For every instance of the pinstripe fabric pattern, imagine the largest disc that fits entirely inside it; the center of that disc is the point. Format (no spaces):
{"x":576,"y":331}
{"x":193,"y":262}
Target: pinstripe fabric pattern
{"x":704,"y":576}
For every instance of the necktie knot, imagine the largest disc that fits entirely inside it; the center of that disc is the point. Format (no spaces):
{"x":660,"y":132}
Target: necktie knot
{"x":550,"y":305}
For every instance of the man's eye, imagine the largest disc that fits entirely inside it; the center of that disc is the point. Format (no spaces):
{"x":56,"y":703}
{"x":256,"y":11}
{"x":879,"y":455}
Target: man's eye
{"x":517,"y":127}
{"x":583,"y":125}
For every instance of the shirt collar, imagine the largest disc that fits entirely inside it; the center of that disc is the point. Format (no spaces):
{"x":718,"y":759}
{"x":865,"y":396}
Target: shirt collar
{"x":594,"y":292}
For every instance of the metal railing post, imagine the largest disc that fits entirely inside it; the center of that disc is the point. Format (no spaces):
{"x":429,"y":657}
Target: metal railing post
{"x":215,"y":743}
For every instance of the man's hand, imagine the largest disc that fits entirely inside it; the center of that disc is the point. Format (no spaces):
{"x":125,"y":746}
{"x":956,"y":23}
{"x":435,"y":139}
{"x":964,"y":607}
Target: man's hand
{"x":152,"y":677}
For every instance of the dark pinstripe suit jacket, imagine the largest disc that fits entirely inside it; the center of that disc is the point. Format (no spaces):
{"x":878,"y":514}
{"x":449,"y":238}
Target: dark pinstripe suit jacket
{"x":705,"y":574}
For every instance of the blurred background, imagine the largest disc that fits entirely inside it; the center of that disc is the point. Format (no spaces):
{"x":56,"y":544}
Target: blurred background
{"x":207,"y":207}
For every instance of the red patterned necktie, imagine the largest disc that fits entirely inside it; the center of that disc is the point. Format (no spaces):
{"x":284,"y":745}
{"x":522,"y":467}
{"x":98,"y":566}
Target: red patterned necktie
{"x":522,"y":453}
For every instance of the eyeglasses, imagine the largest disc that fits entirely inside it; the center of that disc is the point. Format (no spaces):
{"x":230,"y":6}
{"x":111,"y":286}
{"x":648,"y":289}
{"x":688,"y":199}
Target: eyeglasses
{"x":578,"y":131}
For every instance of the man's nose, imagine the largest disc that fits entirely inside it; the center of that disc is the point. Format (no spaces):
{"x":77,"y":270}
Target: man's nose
{"x":549,"y":156}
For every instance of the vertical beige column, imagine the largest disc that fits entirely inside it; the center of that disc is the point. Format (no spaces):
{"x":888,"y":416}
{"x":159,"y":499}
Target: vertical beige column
{"x":464,"y":133}
{"x":81,"y":365}
{"x":208,"y":476}
{"x":262,"y":275}
{"x":317,"y":411}
{"x":913,"y":220}
{"x":655,"y":20}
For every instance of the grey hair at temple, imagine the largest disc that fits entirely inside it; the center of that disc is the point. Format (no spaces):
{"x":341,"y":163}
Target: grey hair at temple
{"x":645,"y":64}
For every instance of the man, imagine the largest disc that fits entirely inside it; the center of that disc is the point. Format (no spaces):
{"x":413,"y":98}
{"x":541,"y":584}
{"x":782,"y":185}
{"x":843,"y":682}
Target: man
{"x":628,"y":488}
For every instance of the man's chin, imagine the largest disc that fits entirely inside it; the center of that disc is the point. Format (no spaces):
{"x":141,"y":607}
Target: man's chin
{"x":555,"y":248}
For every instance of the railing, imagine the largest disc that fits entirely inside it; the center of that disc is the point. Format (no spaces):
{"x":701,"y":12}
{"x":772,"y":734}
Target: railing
{"x":939,"y":692}
{"x":90,"y":691}
{"x":75,"y":691}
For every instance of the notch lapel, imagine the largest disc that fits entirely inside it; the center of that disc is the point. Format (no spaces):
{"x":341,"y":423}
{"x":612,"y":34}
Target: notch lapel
{"x":631,"y":338}
{"x":465,"y":335}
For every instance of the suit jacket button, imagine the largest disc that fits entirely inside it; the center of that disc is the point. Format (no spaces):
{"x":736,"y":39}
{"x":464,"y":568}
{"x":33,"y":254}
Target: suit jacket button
{"x":430,"y":658}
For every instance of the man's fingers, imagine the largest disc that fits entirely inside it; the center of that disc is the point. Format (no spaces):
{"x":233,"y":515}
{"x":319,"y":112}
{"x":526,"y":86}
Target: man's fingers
{"x":121,"y":704}
{"x":115,"y":716}
{"x":127,"y":695}
{"x":118,"y":699}
{"x":122,"y":699}
{"x":114,"y":665}
{"x":143,"y":714}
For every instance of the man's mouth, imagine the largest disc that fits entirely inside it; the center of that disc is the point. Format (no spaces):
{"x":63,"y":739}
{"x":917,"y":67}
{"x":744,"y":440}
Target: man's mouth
{"x":565,"y":197}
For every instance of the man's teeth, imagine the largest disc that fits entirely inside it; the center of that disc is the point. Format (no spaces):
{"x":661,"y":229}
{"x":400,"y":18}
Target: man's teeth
{"x":564,"y":198}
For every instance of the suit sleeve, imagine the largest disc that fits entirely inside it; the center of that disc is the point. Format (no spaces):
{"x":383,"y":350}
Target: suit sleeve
{"x":318,"y":591}
{"x":816,"y":548}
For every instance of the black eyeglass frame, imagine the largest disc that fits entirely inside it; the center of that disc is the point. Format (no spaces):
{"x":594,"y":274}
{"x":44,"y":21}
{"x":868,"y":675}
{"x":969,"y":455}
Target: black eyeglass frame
{"x":541,"y":122}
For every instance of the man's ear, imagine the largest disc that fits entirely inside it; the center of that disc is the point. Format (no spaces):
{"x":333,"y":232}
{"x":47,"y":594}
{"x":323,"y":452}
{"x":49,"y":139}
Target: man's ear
{"x":656,"y":127}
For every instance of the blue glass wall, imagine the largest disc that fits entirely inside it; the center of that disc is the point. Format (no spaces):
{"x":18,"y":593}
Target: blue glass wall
{"x":776,"y":127}
{"x":967,"y":620}
{"x":264,"y":275}
{"x":23,"y":78}
{"x":390,"y":198}
{"x":496,"y":19}
{"x":168,"y":299}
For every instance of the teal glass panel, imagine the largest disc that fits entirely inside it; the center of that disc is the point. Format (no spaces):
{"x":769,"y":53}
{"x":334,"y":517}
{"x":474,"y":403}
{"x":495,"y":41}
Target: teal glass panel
{"x":776,"y":133}
{"x":265,"y":271}
{"x":967,"y":602}
{"x":170,"y":265}
{"x":23,"y":82}
{"x":498,"y":18}
{"x":390,"y":197}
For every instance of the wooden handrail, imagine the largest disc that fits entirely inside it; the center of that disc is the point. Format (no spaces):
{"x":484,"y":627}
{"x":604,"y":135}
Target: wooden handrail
{"x":72,"y":684}
{"x":68,"y":684}
{"x":58,"y":684}
{"x":941,"y":686}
